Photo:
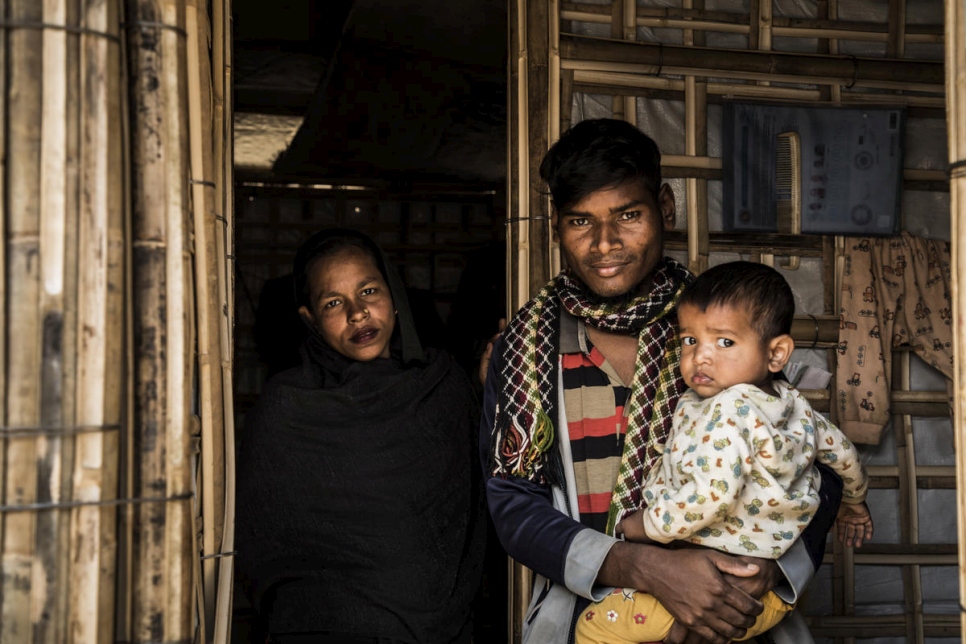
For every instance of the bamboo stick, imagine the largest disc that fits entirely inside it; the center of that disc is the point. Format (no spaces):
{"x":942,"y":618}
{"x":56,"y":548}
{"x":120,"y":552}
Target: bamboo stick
{"x":726,"y":22}
{"x":124,"y":616}
{"x":553,"y":83}
{"x":566,"y":97}
{"x":4,"y":305}
{"x":617,"y":33}
{"x":554,"y":91}
{"x":221,"y":65}
{"x":580,"y":52}
{"x":602,"y":82}
{"x":739,"y":74}
{"x":207,"y":305}
{"x":180,"y":329}
{"x":936,"y":625}
{"x":538,"y":53}
{"x":58,"y":256}
{"x":24,"y":357}
{"x":101,"y":318}
{"x":696,"y":143}
{"x":528,"y":238}
{"x":518,"y":203}
{"x":162,"y":606}
{"x":955,"y":22}
{"x":908,"y":516}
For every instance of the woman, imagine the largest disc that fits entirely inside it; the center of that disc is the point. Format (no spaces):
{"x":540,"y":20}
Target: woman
{"x":359,"y":517}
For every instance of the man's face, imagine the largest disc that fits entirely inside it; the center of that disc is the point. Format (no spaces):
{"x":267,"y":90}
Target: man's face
{"x":613,"y":238}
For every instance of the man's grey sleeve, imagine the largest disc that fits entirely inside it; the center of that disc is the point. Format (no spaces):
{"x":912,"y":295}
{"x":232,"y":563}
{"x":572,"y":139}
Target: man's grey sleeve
{"x":796,"y":566}
{"x":584,"y":558}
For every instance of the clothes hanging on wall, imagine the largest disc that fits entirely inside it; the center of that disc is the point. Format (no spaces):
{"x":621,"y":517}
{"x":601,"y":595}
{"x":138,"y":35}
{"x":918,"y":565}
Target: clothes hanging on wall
{"x":895,"y":290}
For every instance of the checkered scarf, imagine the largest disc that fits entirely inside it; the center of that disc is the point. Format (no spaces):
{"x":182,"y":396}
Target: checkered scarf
{"x":523,"y":432}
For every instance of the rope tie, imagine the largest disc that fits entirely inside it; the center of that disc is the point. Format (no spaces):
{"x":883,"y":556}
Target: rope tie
{"x":83,"y":31}
{"x":31,"y":507}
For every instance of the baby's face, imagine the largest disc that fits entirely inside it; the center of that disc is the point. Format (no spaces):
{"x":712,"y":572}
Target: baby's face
{"x":720,"y":349}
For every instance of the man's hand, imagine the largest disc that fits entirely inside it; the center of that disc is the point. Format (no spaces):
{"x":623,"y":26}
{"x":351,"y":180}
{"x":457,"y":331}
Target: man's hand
{"x":769,"y":575}
{"x":690,"y":584}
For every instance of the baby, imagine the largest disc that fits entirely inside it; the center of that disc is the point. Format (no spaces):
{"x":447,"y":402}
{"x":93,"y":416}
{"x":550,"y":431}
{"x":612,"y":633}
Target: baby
{"x":738,"y":472}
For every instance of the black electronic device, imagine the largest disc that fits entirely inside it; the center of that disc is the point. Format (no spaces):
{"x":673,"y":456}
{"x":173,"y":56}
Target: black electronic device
{"x":822,"y":170}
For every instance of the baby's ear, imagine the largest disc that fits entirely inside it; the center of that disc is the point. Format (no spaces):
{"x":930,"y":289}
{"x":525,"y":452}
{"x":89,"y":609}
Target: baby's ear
{"x":779,"y":351}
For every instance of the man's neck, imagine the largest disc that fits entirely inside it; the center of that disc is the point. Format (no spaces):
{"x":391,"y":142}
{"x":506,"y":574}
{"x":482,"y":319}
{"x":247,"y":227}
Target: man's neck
{"x":619,"y":349}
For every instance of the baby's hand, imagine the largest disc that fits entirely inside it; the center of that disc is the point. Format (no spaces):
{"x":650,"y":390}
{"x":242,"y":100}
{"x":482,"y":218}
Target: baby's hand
{"x":632,"y":527}
{"x":853,"y":525}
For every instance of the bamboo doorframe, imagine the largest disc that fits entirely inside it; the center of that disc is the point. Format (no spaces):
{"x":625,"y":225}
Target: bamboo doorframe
{"x":567,"y":71}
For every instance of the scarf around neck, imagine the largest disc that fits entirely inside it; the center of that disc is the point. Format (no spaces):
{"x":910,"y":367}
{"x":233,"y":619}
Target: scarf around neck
{"x":524,"y":435}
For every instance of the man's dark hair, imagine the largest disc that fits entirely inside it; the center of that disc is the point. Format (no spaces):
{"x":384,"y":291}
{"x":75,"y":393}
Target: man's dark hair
{"x":597,"y":154}
{"x":756,"y":288}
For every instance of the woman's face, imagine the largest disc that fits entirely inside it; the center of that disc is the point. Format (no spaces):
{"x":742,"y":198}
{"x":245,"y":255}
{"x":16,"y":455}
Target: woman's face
{"x":350,"y":305}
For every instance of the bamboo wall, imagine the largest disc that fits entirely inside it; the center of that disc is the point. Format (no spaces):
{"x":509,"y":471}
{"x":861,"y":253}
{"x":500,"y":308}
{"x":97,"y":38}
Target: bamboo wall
{"x":667,"y":69}
{"x":115,"y":351}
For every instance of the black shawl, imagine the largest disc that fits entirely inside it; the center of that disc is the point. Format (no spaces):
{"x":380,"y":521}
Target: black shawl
{"x":359,"y":510}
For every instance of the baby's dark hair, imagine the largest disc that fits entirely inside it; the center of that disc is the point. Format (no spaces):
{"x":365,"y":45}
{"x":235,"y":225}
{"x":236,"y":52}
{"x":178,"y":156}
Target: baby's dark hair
{"x":759,"y":289}
{"x":597,"y":154}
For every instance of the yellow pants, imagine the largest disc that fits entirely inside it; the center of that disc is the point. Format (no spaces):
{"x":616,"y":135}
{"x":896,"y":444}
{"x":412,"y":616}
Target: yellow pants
{"x":630,"y":617}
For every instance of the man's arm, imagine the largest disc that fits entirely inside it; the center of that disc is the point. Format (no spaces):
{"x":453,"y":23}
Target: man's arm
{"x":530,"y":528}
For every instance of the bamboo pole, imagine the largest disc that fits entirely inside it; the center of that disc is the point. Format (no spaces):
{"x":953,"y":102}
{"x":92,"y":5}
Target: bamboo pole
{"x":24,"y":322}
{"x":554,"y":89}
{"x":554,"y":80}
{"x":211,"y":401}
{"x":936,"y":625}
{"x":221,"y":99}
{"x":528,"y":210}
{"x":896,"y":41}
{"x":180,"y":328}
{"x":603,"y":82}
{"x":580,"y":52}
{"x":956,"y":132}
{"x":696,"y":143}
{"x":727,"y":22}
{"x":908,"y":521}
{"x":162,"y":602}
{"x":629,"y":23}
{"x":4,"y":307}
{"x":100,"y":387}
{"x":617,"y":33}
{"x":518,"y":172}
{"x":58,"y":220}
{"x":124,"y":617}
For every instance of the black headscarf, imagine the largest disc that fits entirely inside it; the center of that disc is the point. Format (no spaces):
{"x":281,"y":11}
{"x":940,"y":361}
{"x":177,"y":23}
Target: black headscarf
{"x":358,"y":506}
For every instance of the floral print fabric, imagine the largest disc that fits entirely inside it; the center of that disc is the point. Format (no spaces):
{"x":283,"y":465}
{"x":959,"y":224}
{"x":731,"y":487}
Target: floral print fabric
{"x":894,"y":291}
{"x":737,"y":473}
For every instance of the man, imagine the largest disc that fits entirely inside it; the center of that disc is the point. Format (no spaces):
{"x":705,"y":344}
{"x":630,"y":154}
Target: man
{"x":579,"y":399}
